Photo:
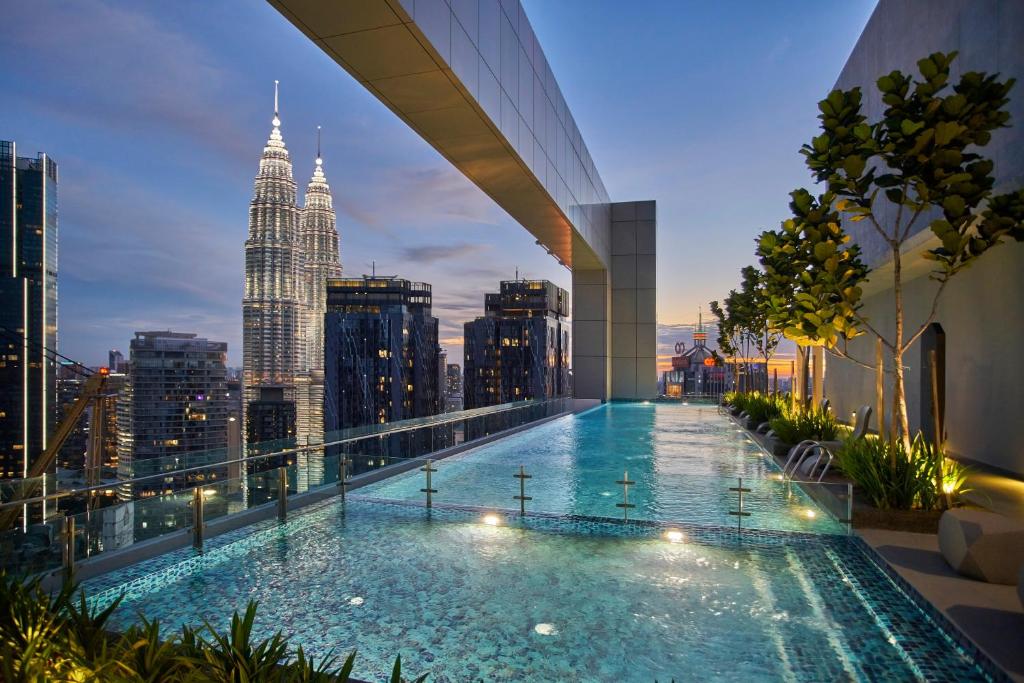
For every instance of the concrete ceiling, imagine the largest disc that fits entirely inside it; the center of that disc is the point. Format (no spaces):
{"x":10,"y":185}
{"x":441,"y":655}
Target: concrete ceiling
{"x":381,"y":46}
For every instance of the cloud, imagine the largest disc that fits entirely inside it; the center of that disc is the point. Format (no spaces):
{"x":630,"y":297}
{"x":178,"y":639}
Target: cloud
{"x":115,"y":231}
{"x":431,"y":198}
{"x":432,"y":253}
{"x":94,"y":63}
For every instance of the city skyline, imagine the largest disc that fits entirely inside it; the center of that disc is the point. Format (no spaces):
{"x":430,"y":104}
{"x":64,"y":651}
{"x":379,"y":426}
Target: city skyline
{"x":198,"y":112}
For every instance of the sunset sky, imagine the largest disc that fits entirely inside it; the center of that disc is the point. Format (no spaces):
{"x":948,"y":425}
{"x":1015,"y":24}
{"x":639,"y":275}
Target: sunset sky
{"x":157,"y":113}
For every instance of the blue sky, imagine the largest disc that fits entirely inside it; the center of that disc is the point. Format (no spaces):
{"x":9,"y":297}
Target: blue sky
{"x":157,"y":113}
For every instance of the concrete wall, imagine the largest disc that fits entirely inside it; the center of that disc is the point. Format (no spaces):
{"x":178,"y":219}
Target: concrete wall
{"x":634,"y":322}
{"x":614,"y":316}
{"x":980,"y":311}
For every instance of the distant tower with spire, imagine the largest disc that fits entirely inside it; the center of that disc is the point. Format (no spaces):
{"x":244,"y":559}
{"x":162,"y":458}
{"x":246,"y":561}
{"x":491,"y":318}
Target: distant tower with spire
{"x":318,"y":236}
{"x":700,"y":336}
{"x":271,"y":305}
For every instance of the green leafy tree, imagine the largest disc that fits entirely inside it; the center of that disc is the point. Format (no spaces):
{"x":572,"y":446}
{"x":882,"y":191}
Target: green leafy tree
{"x":922,"y":158}
{"x":761,"y":327}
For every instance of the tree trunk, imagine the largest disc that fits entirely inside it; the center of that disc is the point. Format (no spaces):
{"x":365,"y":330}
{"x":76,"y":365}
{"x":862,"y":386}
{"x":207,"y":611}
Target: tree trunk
{"x":900,"y":398}
{"x":900,"y":403}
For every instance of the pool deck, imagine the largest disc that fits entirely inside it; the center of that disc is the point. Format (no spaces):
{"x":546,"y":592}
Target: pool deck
{"x":989,"y":614}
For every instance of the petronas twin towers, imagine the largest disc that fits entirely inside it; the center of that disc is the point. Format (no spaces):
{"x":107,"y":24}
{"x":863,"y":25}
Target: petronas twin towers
{"x":290,"y":253}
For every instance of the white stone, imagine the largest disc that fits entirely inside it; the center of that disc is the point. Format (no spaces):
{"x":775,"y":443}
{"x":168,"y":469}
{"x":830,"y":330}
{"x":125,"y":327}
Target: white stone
{"x":982,"y":545}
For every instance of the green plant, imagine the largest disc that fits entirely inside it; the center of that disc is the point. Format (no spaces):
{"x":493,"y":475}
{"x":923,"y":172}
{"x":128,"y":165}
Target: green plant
{"x":396,"y":673}
{"x":892,"y":477}
{"x":792,"y":427}
{"x":761,"y":408}
{"x":920,"y":159}
{"x":48,"y":636}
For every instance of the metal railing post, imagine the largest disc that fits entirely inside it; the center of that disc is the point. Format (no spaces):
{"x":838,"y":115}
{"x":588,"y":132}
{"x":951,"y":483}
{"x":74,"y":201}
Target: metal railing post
{"x":342,"y":473}
{"x":740,"y":514}
{"x":429,"y":490}
{"x":68,"y":549}
{"x":625,"y":504}
{"x":522,"y":497}
{"x":282,"y":493}
{"x":849,"y":508}
{"x":198,"y":518}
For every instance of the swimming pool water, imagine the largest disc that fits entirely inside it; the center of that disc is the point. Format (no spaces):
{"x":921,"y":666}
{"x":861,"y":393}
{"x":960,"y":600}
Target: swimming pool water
{"x":551,"y":598}
{"x":684,"y":460}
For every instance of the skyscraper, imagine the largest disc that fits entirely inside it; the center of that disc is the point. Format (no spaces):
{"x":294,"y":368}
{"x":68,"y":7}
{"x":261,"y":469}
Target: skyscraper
{"x":173,"y":411}
{"x":380,"y":352}
{"x":320,"y":260}
{"x":520,"y":348}
{"x":289,"y":256}
{"x":28,"y":307}
{"x":453,"y":390}
{"x":271,"y":307}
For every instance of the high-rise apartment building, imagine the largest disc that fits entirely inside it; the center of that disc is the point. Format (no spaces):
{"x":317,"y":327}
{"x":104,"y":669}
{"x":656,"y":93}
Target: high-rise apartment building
{"x":453,"y":393}
{"x":28,"y":307}
{"x":519,"y":349}
{"x":442,"y":379}
{"x":115,"y":361}
{"x":173,"y":410}
{"x":381,"y":352}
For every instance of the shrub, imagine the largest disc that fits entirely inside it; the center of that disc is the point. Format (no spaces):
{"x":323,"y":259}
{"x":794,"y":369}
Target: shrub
{"x":794,"y":427}
{"x":762,"y":408}
{"x":892,"y":478}
{"x":55,"y":637}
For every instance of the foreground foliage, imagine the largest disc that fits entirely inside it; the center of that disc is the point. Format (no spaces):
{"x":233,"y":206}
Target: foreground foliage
{"x":893,"y":478}
{"x":758,"y":407}
{"x":794,"y":426}
{"x":47,"y":637}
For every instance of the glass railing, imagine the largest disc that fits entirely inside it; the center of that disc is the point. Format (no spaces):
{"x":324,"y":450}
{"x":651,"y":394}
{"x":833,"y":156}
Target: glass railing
{"x":161,"y":496}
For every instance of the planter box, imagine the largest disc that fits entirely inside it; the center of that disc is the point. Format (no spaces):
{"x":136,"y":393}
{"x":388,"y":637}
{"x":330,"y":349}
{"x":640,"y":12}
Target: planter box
{"x":777,"y":447}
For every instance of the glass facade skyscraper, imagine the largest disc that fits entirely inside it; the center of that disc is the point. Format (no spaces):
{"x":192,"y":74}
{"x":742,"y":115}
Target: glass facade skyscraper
{"x":519,"y":349}
{"x":381,"y":352}
{"x":28,"y":307}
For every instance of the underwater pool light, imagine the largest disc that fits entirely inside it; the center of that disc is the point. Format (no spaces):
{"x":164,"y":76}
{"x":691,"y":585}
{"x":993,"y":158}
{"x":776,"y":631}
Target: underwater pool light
{"x":492,"y":520}
{"x":674,"y":536}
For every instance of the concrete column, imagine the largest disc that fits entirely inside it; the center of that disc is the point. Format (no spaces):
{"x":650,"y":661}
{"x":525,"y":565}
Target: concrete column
{"x":615,"y":325}
{"x":591,"y":362}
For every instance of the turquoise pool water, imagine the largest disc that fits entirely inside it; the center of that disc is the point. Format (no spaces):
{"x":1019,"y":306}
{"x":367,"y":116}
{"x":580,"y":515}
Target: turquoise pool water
{"x":684,"y":460}
{"x":551,"y":598}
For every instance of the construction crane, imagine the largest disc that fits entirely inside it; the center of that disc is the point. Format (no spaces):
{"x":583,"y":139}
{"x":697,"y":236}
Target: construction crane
{"x":93,"y":392}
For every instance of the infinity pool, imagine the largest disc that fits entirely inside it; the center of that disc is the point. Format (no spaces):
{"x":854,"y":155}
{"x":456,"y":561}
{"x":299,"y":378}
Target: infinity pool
{"x":546,"y":598}
{"x":470,"y":590}
{"x":684,"y":460}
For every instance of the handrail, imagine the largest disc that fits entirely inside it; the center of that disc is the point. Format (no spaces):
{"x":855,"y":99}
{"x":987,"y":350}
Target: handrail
{"x":385,"y":430}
